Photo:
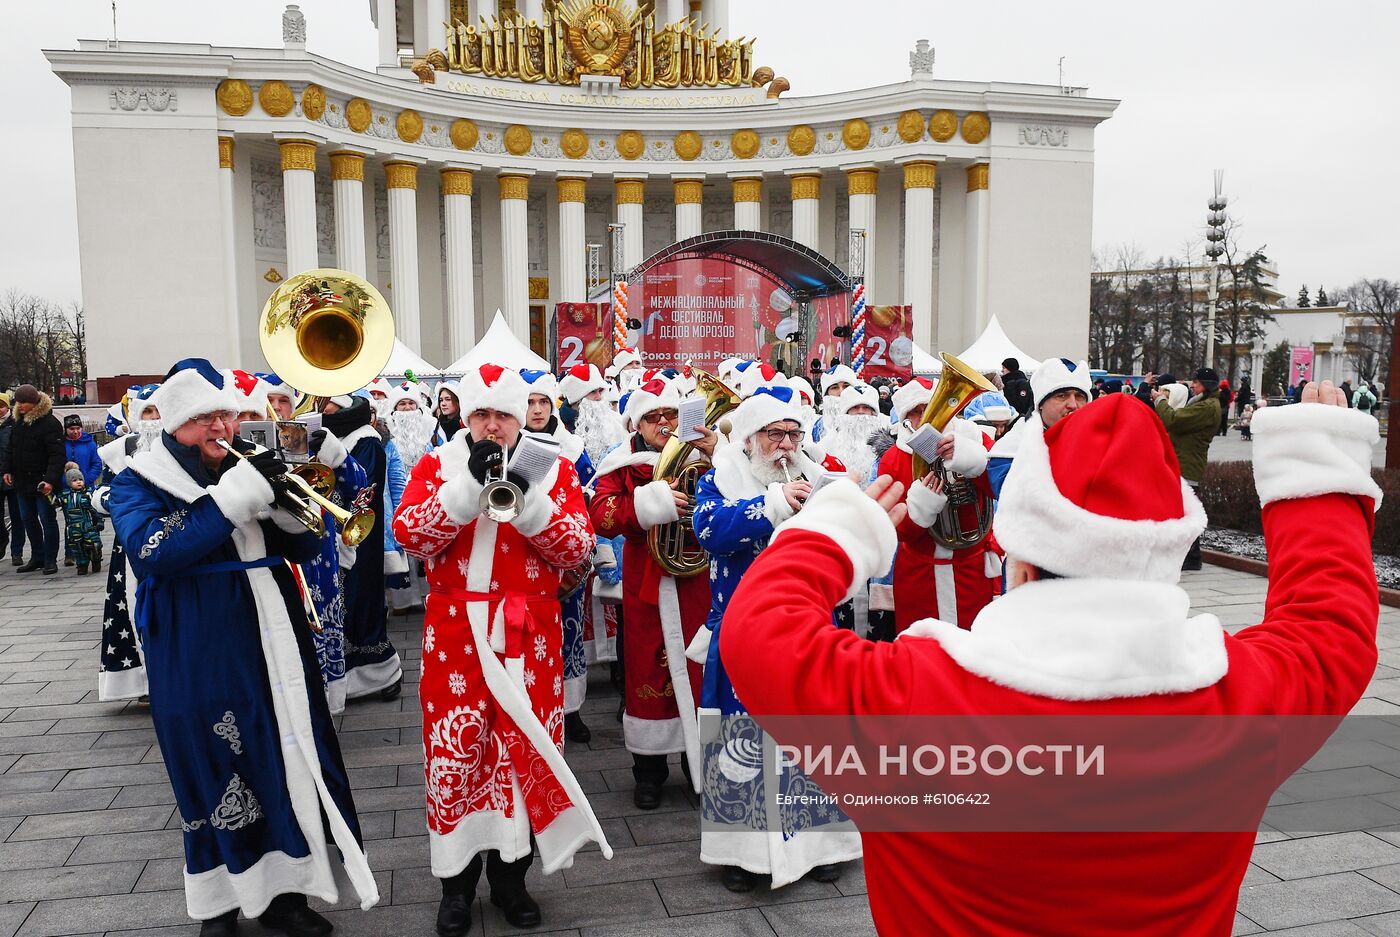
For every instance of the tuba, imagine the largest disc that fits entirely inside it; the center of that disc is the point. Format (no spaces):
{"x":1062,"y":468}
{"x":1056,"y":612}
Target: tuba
{"x":954,"y":529}
{"x":325,"y":332}
{"x":673,"y":545}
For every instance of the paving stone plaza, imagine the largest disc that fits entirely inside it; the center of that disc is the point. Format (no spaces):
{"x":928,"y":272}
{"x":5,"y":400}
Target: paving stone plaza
{"x":90,"y":842}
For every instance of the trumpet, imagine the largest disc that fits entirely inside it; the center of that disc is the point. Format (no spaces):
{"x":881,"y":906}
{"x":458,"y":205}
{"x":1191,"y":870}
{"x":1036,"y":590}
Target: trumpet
{"x":305,"y":503}
{"x":787,"y":474}
{"x":500,"y":498}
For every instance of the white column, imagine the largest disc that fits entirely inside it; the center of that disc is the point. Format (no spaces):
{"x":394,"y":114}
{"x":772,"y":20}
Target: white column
{"x":861,"y":186}
{"x":976,"y":231}
{"x":461,"y":298}
{"x":299,"y":204}
{"x":348,"y":182}
{"x":806,"y":207}
{"x":515,"y":249}
{"x":717,"y":12}
{"x":532,"y":10}
{"x":437,"y":29}
{"x":919,"y":181}
{"x":230,"y":231}
{"x":388,"y":32}
{"x":629,"y":192}
{"x":572,"y":256}
{"x":748,"y":202}
{"x":690,"y":199}
{"x":1256,"y":370}
{"x":401,"y":179}
{"x":671,"y":11}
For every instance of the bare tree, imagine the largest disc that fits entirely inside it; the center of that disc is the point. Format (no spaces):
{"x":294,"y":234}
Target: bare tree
{"x":40,"y":341}
{"x":1376,"y":302}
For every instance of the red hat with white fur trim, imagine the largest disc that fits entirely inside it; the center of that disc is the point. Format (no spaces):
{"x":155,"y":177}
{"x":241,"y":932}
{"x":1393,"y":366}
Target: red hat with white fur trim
{"x":916,"y":393}
{"x":757,"y":375}
{"x":1068,"y":507}
{"x":492,"y":387}
{"x":655,"y":394}
{"x":625,"y":357}
{"x":580,"y":381}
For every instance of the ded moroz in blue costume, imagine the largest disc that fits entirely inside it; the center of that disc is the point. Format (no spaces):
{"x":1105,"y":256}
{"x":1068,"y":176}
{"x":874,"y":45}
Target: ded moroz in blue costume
{"x":235,"y":689}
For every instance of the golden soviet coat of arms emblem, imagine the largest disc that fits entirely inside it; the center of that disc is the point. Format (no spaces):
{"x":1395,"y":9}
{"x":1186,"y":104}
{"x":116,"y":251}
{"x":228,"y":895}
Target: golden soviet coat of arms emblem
{"x":600,"y":38}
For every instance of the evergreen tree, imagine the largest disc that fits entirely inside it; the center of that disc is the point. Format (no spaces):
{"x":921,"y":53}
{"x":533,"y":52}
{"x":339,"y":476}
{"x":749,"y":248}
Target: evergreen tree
{"x":1275,"y":371}
{"x":1303,"y":301}
{"x":1322,"y":299}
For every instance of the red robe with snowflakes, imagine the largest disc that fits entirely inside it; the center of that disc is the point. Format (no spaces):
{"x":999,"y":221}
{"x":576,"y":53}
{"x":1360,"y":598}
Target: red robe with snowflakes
{"x":931,"y":581}
{"x":492,"y":684}
{"x":660,"y":614}
{"x":1075,"y":647}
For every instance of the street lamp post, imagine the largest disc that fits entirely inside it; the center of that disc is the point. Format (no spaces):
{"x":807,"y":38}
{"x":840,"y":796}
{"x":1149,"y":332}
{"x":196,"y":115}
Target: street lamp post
{"x":1215,"y":247}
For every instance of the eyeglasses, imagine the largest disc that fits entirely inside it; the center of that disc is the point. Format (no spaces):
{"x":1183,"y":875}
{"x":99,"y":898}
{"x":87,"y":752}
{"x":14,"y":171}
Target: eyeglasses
{"x":209,"y":419}
{"x":656,"y":416}
{"x":778,"y":435}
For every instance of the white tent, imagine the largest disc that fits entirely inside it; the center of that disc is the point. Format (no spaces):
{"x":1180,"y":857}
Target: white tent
{"x":925,"y":364}
{"x":498,"y":346}
{"x":402,"y":360}
{"x":992,"y":347}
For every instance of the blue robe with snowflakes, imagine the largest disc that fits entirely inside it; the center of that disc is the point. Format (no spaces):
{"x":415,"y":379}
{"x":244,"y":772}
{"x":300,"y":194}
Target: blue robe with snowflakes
{"x":371,"y":660}
{"x":236,"y":698}
{"x":323,"y":580}
{"x":742,"y":823}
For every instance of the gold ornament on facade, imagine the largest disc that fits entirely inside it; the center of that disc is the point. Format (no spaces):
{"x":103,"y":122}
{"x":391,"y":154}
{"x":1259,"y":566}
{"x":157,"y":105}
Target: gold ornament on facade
{"x":409,"y":125}
{"x":744,"y":144}
{"x":400,"y":175}
{"x":226,"y":152}
{"x":457,"y":182}
{"x":347,"y":165}
{"x":539,"y":288}
{"x":574,"y":143}
{"x":571,"y":188}
{"x":761,"y":76}
{"x":518,"y":140}
{"x":777,"y":87}
{"x":920,"y":175}
{"x":978,"y":177}
{"x":689,"y":191}
{"x":856,"y":134}
{"x":629,"y":191}
{"x":942,"y":125}
{"x":234,"y":97}
{"x":276,"y":98}
{"x":910,"y":126}
{"x":801,"y":140}
{"x":358,"y":114}
{"x":463,"y":134}
{"x":748,"y":190}
{"x":598,"y":37}
{"x":313,"y":102}
{"x":862,"y":181}
{"x":273,"y":275}
{"x":630,"y":144}
{"x":298,"y":154}
{"x":514,"y":187}
{"x":806,"y":186}
{"x":975,"y":127}
{"x":688,"y":145}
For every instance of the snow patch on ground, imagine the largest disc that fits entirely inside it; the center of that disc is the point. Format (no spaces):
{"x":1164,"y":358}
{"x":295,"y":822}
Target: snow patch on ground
{"x":1239,"y":543}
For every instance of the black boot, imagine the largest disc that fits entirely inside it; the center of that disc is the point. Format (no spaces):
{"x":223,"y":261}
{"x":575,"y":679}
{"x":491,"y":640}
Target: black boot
{"x":575,"y":730}
{"x":650,"y":773}
{"x":97,"y":561}
{"x":825,"y":873}
{"x":738,"y":880}
{"x":454,"y":917}
{"x":1193,"y":556}
{"x":225,"y":925}
{"x":508,"y":892}
{"x":290,"y":915}
{"x":33,"y":565}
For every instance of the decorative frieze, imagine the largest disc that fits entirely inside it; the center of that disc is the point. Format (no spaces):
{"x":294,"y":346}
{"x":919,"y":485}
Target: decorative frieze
{"x":128,"y":98}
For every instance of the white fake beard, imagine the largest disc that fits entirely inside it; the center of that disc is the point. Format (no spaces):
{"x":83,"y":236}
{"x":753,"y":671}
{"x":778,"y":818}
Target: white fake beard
{"x":147,"y":432}
{"x":768,"y":469}
{"x":848,"y":440}
{"x":412,"y":430}
{"x":597,"y":425}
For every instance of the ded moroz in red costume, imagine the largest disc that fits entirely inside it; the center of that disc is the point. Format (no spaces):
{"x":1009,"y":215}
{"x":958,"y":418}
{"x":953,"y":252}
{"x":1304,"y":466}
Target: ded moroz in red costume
{"x":492,"y":684}
{"x":1114,"y":639}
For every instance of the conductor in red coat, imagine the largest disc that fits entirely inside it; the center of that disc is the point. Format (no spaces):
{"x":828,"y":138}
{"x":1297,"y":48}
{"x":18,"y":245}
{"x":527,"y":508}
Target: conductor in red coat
{"x":1094,"y":624}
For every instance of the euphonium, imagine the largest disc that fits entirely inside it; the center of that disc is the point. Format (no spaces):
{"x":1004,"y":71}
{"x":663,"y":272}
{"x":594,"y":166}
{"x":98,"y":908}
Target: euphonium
{"x":500,"y":497}
{"x":302,"y":501}
{"x":673,"y":545}
{"x":957,"y":387}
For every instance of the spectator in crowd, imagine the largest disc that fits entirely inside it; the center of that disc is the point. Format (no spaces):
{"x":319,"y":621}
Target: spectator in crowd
{"x":1225,"y":397}
{"x":886,"y":401}
{"x":1245,"y":397}
{"x":82,"y":528}
{"x":79,"y":447}
{"x":1016,"y":387}
{"x":1191,"y":429}
{"x":1364,"y":399}
{"x":34,"y":467}
{"x":1097,"y":390}
{"x":1145,"y":387}
{"x":12,"y":530}
{"x":1246,"y":417}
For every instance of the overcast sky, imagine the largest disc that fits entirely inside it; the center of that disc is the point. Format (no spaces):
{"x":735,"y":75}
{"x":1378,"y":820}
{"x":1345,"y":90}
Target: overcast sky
{"x":1294,"y":100}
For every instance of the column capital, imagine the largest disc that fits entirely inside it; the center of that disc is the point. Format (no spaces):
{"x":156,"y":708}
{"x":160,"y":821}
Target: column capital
{"x":348,"y":164}
{"x":688,"y":191}
{"x":225,"y":152}
{"x":514,"y":185}
{"x":400,"y":175}
{"x":629,"y":190}
{"x":863,"y":180}
{"x":297,"y":153}
{"x":571,"y":188}
{"x":805,"y":184}
{"x":977,"y":176}
{"x":456,"y":181}
{"x":920,"y":174}
{"x":747,"y":188}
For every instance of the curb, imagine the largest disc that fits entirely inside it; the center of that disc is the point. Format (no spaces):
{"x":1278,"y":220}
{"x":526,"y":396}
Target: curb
{"x":1244,"y":564}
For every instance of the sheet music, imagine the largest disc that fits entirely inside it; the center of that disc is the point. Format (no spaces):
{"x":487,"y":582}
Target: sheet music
{"x":824,"y":479}
{"x":690,"y":413}
{"x":925,"y":442}
{"x":533,"y":457}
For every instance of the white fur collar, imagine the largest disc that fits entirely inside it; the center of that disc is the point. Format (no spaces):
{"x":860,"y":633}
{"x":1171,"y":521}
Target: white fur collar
{"x":622,"y":456}
{"x":734,"y":474}
{"x":1083,"y":639}
{"x":1007,"y":446}
{"x":356,"y":436}
{"x":159,"y":466}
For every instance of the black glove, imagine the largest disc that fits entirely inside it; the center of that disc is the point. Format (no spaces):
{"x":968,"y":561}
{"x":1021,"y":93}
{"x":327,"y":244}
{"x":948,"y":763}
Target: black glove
{"x":267,"y":463}
{"x":316,"y":441}
{"x":519,"y":482}
{"x":486,"y":456}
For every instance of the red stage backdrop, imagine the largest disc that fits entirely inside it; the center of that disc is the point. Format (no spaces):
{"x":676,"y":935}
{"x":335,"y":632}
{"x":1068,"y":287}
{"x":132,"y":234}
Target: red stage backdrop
{"x":584,"y":335}
{"x":889,"y":343}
